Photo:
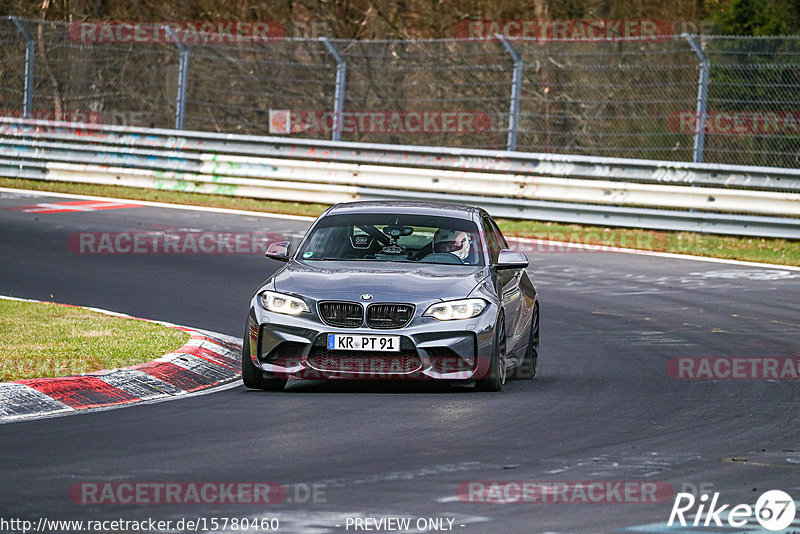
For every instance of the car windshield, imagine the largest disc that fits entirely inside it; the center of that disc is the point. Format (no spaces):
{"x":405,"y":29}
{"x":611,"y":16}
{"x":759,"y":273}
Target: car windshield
{"x":393,"y":237}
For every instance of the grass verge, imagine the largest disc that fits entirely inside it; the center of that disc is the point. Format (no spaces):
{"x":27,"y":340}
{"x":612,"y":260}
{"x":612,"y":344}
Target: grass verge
{"x":765,"y":250}
{"x":47,"y":340}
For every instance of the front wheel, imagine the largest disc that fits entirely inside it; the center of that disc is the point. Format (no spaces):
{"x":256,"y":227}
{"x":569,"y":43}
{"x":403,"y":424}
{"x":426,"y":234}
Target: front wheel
{"x":252,"y":376}
{"x":497,"y":366}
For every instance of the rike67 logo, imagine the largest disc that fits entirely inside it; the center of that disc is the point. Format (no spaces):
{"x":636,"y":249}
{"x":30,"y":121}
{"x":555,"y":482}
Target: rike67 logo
{"x":774,"y":510}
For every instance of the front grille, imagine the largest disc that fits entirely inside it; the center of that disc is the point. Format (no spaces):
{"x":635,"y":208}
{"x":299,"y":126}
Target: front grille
{"x":342,"y":314}
{"x":389,"y":315}
{"x":365,"y":363}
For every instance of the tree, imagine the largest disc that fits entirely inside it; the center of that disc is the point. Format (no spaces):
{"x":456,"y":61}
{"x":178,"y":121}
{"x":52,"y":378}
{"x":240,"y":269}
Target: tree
{"x":755,"y":17}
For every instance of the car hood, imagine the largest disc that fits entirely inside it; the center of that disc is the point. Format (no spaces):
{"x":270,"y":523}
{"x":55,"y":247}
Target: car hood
{"x":397,"y":282}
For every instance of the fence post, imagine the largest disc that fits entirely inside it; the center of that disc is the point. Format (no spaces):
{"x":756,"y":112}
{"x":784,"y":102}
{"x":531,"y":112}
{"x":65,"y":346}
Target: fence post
{"x":183,"y":67}
{"x":702,"y":99}
{"x":338,"y":99}
{"x":516,"y":91}
{"x":27,"y":102}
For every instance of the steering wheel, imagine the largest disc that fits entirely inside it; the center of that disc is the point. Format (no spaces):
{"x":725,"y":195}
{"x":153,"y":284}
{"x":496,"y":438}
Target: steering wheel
{"x":442,"y":257}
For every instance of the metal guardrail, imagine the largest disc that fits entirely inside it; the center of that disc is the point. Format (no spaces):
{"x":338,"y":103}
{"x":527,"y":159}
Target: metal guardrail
{"x":757,"y":201}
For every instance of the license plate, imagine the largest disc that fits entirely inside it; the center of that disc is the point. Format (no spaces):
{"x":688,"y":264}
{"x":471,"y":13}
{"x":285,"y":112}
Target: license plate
{"x":370,"y":343}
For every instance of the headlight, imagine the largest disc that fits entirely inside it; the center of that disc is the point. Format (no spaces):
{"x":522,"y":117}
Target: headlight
{"x":280,"y":303}
{"x":456,"y":309}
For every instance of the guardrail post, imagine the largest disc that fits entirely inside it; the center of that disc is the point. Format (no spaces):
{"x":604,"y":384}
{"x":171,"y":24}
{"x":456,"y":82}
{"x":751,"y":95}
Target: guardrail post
{"x":338,"y":99}
{"x":27,"y":102}
{"x":183,"y":67}
{"x":516,"y":91}
{"x":702,"y":99}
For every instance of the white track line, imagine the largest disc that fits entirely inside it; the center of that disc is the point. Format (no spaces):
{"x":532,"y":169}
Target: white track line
{"x":160,"y":204}
{"x":556,"y":244}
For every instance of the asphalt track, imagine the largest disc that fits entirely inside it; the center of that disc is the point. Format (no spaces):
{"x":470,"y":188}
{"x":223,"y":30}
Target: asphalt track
{"x":603,"y":408}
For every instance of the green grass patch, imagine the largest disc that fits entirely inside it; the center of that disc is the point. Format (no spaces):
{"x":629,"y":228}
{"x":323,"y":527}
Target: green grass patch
{"x":172,"y":197}
{"x":47,"y":340}
{"x":766,"y":250}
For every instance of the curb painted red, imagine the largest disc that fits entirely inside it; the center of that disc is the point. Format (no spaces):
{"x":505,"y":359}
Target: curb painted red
{"x":206,"y":360}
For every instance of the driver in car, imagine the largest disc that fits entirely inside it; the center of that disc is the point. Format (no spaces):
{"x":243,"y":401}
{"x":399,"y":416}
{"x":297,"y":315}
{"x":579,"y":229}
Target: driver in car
{"x":455,"y":242}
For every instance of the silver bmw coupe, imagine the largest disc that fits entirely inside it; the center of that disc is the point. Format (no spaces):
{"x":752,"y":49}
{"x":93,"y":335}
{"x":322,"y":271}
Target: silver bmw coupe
{"x":395,"y":290}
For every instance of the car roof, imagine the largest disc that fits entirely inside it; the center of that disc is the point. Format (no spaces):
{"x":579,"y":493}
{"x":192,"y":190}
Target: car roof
{"x":457,"y":211}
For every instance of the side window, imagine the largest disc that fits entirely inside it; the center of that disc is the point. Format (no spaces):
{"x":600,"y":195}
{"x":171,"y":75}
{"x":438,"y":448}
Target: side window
{"x":494,"y":239}
{"x":500,"y":238}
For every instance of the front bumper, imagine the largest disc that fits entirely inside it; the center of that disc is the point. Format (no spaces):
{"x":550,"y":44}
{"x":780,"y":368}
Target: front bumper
{"x":296,"y":347}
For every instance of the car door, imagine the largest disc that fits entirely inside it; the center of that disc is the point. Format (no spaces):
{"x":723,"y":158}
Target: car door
{"x":508,"y":286}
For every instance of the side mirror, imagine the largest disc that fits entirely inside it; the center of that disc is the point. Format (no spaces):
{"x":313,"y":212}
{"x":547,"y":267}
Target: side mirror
{"x":510,"y":259}
{"x":279,"y":250}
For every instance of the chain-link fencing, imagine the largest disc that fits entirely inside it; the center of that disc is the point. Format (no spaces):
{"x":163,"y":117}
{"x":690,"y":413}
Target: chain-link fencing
{"x":625,"y":98}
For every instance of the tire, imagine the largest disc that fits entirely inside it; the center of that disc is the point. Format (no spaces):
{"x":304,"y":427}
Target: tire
{"x":252,"y":376}
{"x":526,"y":369}
{"x":497,"y":367}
